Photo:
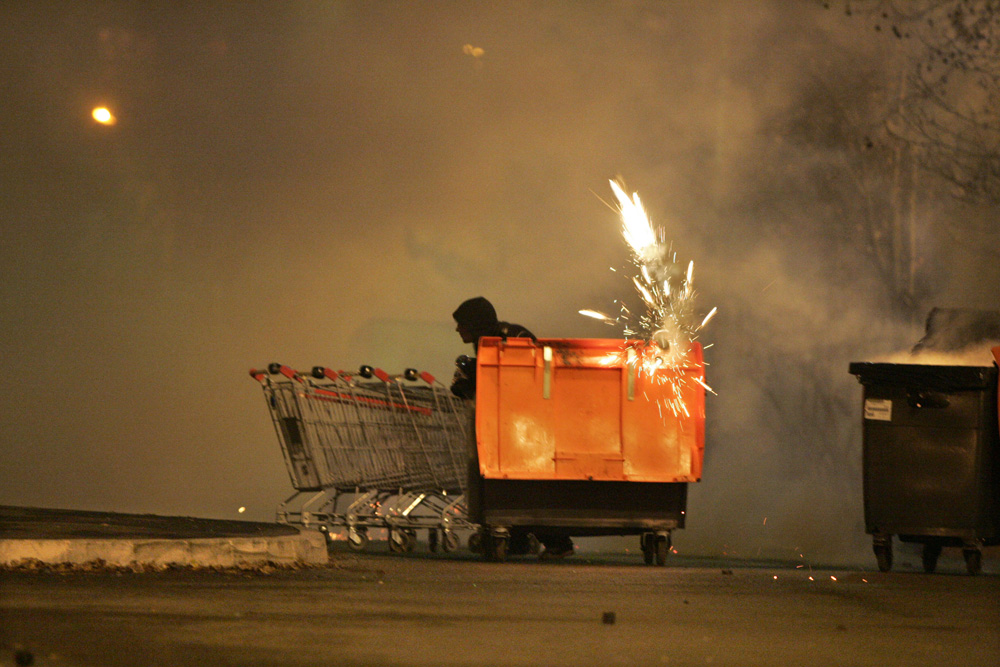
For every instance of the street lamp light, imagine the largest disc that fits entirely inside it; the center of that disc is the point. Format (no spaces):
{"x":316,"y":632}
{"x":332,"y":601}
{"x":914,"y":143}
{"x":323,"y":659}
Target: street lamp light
{"x":103,"y":116}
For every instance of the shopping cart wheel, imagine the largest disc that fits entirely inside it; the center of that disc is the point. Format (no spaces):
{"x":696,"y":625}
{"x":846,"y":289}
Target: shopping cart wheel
{"x":930,"y":554}
{"x":449,"y":541}
{"x":882,"y":547}
{"x":432,"y":539}
{"x":973,"y":560}
{"x":476,"y":542}
{"x":397,"y":541}
{"x":357,"y":539}
{"x":410,"y":542}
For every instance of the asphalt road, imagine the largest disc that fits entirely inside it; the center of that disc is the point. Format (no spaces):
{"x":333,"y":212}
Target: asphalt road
{"x":421,"y":609}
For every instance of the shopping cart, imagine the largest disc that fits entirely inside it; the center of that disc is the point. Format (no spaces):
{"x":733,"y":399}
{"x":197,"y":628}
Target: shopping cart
{"x":371,"y":450}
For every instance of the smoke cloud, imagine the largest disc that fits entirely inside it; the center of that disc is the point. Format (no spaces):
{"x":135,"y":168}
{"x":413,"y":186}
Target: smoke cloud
{"x":322,"y":184}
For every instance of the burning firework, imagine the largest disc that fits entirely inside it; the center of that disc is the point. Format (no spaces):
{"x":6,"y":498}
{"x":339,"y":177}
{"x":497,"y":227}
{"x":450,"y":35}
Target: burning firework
{"x":666,"y":290}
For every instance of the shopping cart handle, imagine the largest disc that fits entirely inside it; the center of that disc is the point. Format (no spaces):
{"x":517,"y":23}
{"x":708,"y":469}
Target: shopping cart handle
{"x":257,"y":374}
{"x":427,"y":377}
{"x":381,"y":375}
{"x":365,"y":371}
{"x":287,"y":371}
{"x":411,"y":374}
{"x":321,"y":372}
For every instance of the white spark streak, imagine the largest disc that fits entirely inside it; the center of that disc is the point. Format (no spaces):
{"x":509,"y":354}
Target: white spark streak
{"x":710,"y":315}
{"x":596,"y":315}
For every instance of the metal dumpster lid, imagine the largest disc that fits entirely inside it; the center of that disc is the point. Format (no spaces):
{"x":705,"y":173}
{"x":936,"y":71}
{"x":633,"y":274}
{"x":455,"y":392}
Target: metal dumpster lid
{"x":925,"y":376}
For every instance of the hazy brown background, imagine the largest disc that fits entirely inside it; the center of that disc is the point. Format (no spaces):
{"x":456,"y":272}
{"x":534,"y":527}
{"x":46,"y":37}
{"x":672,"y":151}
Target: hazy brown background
{"x":323,"y":182}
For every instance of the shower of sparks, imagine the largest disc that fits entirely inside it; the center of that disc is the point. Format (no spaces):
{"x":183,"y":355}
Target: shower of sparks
{"x":669,"y":324}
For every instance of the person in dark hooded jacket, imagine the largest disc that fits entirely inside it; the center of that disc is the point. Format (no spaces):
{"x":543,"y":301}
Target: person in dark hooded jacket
{"x":474,"y":319}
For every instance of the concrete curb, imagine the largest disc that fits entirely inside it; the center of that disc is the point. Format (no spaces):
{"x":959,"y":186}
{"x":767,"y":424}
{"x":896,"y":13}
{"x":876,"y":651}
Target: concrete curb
{"x":308,"y":548}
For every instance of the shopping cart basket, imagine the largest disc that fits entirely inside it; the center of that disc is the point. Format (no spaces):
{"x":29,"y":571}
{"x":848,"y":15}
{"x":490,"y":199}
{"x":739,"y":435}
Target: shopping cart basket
{"x":395,"y":445}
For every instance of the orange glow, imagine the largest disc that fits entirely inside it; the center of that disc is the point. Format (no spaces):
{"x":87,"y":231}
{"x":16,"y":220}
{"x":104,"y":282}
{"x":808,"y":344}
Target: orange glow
{"x":103,"y":116}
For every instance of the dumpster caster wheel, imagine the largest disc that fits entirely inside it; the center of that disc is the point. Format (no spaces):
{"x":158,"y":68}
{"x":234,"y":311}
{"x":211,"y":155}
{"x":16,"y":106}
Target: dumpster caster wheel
{"x":647,"y":542}
{"x":476,"y":543}
{"x":493,"y":546}
{"x":449,"y":541}
{"x":930,"y":554}
{"x":883,"y":554}
{"x":973,"y":560}
{"x":498,"y":549}
{"x":357,"y":539}
{"x":432,"y":540}
{"x":662,"y":549}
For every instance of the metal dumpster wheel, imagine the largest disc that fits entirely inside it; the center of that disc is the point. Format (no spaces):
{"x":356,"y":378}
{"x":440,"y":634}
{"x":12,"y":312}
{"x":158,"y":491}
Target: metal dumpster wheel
{"x":973,"y":560}
{"x":496,"y":547}
{"x":432,"y":539}
{"x":655,"y":548}
{"x":662,"y":549}
{"x":476,"y":542}
{"x":930,"y":554}
{"x":648,"y":546}
{"x":882,"y":547}
{"x":357,"y":539}
{"x":449,"y":541}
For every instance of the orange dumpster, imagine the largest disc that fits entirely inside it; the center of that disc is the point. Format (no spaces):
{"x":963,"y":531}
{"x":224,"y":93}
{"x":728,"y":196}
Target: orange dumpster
{"x":592,"y":436}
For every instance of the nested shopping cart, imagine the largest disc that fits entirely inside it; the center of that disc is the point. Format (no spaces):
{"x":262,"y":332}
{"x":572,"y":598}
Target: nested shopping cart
{"x":371,"y":451}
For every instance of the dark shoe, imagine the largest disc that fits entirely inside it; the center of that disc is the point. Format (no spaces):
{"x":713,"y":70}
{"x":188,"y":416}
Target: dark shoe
{"x":556,"y":553}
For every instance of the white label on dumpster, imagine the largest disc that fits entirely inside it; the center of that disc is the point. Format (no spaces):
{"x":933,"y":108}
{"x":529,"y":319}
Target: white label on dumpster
{"x":878,"y":408}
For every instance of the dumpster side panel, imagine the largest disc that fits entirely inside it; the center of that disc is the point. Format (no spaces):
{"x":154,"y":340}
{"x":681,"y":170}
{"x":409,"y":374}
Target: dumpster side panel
{"x":586,"y":410}
{"x":937,"y":495}
{"x":487,"y":401}
{"x":663,"y":427}
{"x":584,"y":424}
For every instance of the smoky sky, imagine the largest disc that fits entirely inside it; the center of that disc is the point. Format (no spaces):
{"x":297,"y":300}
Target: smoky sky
{"x":321,"y":183}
